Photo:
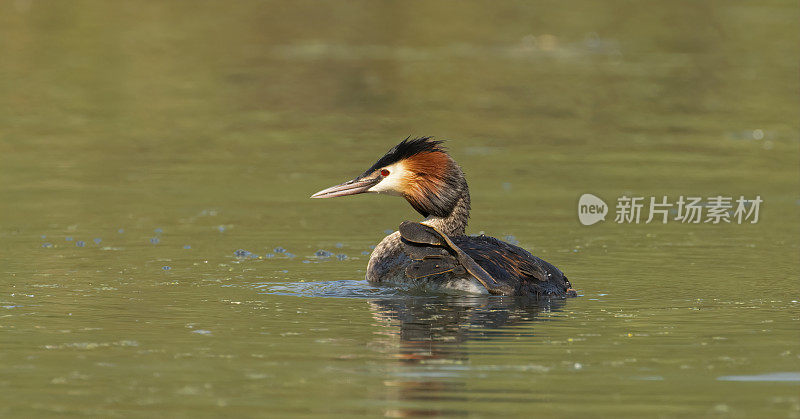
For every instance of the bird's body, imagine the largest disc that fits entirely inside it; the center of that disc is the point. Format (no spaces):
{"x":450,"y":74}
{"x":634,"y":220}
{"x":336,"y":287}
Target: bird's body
{"x":388,"y":263}
{"x":436,"y":254}
{"x":505,"y":262}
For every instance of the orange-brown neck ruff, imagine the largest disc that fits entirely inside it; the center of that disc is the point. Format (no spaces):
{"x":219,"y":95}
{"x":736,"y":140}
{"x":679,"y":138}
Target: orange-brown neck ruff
{"x":435,"y":183}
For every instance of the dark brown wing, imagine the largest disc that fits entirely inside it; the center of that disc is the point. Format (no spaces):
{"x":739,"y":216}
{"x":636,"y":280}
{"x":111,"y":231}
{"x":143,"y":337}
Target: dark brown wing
{"x":433,"y":252}
{"x":502,"y":268}
{"x":513,"y":264}
{"x":433,"y":265}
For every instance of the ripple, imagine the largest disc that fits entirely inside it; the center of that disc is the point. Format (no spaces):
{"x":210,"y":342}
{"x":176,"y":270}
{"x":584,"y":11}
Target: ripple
{"x":774,"y":376}
{"x":362,"y":289}
{"x":334,"y":289}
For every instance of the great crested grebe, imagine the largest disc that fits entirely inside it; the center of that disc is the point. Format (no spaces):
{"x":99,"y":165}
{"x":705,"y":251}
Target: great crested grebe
{"x":436,"y":253}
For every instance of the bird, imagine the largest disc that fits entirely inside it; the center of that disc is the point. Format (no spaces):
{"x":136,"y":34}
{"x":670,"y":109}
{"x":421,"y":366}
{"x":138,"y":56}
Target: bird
{"x":436,"y":253}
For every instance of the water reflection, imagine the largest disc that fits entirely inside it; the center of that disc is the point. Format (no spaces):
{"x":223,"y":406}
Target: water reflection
{"x":430,"y":338}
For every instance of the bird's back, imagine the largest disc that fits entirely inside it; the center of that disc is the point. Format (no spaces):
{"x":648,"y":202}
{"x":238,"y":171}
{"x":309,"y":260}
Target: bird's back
{"x":514,"y":266}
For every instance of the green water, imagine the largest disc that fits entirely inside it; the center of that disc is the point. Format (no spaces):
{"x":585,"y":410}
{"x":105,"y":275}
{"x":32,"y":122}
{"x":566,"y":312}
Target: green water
{"x":179,"y":132}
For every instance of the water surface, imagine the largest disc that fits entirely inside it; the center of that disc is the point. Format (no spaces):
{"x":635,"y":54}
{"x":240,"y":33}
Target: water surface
{"x":143,"y":144}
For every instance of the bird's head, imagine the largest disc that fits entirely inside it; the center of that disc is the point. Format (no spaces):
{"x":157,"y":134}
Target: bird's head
{"x":420,"y":170}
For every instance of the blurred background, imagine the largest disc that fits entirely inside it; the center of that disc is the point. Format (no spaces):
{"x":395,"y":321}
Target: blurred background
{"x":143,"y":143}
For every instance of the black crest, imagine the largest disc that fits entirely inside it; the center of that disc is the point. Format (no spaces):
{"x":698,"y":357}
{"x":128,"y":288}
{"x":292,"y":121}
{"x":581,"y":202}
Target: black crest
{"x":406,"y":149}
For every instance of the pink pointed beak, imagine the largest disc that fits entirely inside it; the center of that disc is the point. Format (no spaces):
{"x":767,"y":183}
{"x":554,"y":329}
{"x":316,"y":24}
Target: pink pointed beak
{"x":351,"y":187}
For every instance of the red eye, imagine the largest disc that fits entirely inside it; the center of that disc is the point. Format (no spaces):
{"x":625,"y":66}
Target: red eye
{"x":384,"y":173}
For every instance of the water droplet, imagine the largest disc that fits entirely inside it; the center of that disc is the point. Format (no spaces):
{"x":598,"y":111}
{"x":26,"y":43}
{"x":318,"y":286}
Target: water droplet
{"x":166,"y":268}
{"x":388,"y":231}
{"x":339,"y":245}
{"x":68,"y":238}
{"x":269,"y":256}
{"x":241,"y":253}
{"x":323,"y":254}
{"x":154,"y":240}
{"x":221,"y":228}
{"x":80,"y":243}
{"x":306,"y":261}
{"x":186,"y":246}
{"x":47,"y":245}
{"x":341,"y":256}
{"x":120,"y":231}
{"x":158,"y":230}
{"x":290,"y":255}
{"x":97,"y":240}
{"x":365,"y":253}
{"x":44,"y":236}
{"x":279,"y":250}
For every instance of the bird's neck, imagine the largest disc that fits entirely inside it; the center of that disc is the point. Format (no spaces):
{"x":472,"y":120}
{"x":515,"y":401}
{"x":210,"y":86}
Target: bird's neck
{"x":455,"y":223}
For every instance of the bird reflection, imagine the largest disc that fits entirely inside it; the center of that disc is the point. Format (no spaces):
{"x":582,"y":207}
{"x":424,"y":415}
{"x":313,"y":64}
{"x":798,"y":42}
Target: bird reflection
{"x":429,"y":336}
